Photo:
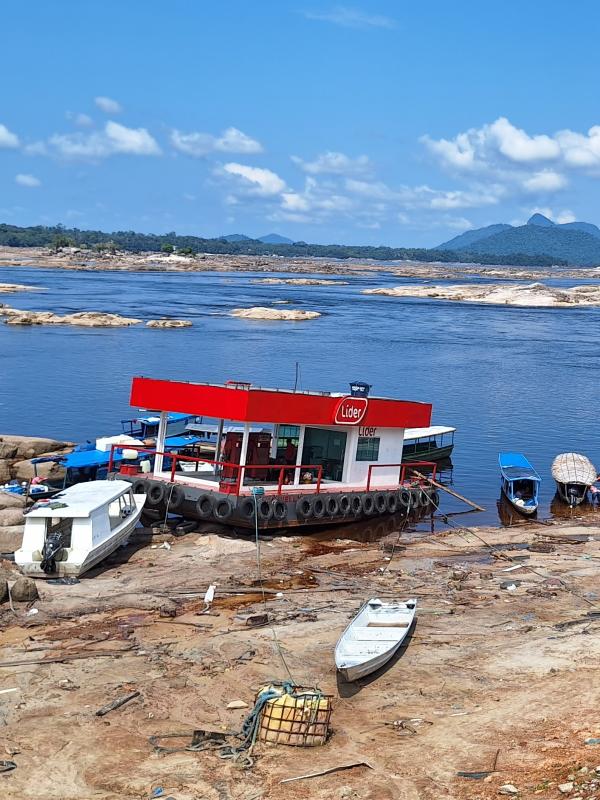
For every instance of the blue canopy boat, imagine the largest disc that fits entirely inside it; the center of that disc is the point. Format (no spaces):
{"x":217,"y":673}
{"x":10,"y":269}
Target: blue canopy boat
{"x":520,"y":482}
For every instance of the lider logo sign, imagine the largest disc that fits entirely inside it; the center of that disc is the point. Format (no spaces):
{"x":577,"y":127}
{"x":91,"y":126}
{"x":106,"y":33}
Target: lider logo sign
{"x":351,"y":410}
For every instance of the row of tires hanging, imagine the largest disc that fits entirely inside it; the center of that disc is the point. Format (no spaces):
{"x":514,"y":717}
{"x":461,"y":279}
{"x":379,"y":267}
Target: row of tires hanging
{"x":210,"y":505}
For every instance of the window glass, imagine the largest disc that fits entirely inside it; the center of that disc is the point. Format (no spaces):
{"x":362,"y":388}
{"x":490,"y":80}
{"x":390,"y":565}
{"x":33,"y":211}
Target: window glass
{"x":368,"y":448}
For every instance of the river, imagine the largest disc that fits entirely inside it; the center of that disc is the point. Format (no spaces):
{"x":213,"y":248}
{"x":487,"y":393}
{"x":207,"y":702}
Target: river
{"x":508,"y":378}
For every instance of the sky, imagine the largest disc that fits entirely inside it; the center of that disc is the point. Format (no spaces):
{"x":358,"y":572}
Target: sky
{"x":396,"y":123}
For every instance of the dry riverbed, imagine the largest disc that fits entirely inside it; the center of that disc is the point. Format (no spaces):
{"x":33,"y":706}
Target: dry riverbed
{"x":502,"y":669}
{"x":76,"y":259}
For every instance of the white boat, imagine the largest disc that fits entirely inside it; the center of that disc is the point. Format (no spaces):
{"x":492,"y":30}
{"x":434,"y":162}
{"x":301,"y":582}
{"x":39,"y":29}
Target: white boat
{"x":77,"y":528}
{"x":373,"y":637}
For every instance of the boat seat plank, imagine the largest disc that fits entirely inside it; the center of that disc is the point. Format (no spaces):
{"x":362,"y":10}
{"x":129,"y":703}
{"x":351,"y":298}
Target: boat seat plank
{"x":388,"y":624}
{"x":377,"y":634}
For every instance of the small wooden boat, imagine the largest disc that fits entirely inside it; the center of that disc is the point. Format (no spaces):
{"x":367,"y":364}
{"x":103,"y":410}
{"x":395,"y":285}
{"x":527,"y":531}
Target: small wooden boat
{"x":373,"y":637}
{"x":77,"y":528}
{"x":574,"y":474}
{"x":520,"y":482}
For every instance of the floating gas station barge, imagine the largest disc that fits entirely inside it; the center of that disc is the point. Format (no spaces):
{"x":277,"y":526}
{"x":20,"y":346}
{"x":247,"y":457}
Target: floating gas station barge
{"x":283,"y":458}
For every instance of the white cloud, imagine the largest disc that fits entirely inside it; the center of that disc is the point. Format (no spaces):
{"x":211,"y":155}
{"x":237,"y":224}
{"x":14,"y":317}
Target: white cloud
{"x":545,"y":181}
{"x":114,"y":139}
{"x":8,"y":138}
{"x":82,"y":120}
{"x":29,"y":181}
{"x":500,"y":141}
{"x":580,"y":150}
{"x":136,"y":141}
{"x":334,"y":164}
{"x":500,"y":145}
{"x":108,"y":105}
{"x":347,"y":17}
{"x":199,"y":144}
{"x":256,"y":180}
{"x":517,"y":145}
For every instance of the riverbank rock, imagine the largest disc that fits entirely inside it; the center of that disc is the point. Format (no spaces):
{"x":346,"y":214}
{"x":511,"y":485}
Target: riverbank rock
{"x":3,"y":589}
{"x":259,"y":312}
{"x":11,"y":538}
{"x":8,"y":500}
{"x":169,"y":323}
{"x":532,"y":295}
{"x":11,"y":516}
{"x":16,"y":453}
{"x":31,"y":446}
{"x":24,"y":590}
{"x":86,"y":319}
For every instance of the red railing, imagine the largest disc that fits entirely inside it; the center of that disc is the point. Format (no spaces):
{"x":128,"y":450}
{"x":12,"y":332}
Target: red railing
{"x":239,"y":468}
{"x":403,"y":467}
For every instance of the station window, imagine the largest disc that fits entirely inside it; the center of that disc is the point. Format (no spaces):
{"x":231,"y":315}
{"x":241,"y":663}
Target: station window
{"x":368,"y":448}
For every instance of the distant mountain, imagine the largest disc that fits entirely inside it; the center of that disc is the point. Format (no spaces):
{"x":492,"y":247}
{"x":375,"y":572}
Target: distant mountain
{"x":236,"y":237}
{"x":541,"y":221}
{"x":465,"y":240}
{"x":275,"y":238}
{"x":576,"y":243}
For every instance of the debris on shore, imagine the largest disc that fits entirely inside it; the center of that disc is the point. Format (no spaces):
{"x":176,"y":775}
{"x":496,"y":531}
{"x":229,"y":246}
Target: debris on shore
{"x":491,"y":683}
{"x":260,"y":312}
{"x":534,"y":295}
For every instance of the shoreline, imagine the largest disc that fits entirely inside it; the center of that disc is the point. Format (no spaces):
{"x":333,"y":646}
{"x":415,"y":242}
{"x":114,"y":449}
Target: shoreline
{"x":42,"y":258}
{"x":486,"y":668}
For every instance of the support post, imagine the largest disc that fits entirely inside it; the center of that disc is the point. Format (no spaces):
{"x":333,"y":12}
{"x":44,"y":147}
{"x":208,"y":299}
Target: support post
{"x":219,"y":446}
{"x":160,"y":442}
{"x":243,"y":453}
{"x":299,"y":455}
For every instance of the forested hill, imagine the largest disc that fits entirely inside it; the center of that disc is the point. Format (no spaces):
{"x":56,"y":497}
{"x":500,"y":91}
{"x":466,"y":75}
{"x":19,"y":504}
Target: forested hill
{"x":59,"y":236}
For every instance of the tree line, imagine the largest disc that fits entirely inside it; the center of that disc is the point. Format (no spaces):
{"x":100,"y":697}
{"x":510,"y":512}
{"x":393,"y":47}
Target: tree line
{"x":58,"y":237}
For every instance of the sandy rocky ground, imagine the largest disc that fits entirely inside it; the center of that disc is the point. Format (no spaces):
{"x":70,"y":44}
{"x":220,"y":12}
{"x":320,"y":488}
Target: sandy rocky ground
{"x":75,"y":259}
{"x":502,"y":667}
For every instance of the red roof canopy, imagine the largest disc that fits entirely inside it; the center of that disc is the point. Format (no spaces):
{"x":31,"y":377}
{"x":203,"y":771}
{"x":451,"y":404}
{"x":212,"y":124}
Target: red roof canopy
{"x":245,"y":403}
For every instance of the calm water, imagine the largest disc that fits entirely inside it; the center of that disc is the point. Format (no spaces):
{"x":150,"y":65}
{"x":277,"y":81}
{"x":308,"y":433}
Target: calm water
{"x":507,"y":378}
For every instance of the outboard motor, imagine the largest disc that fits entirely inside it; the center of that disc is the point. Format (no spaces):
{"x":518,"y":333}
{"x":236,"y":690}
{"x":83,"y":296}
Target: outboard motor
{"x":54,"y":543}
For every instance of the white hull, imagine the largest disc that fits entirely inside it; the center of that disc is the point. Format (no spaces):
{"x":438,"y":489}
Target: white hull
{"x":79,"y":557}
{"x":373,"y":637}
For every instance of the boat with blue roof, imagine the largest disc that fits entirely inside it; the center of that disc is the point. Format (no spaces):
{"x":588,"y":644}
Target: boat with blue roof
{"x":520,"y":482}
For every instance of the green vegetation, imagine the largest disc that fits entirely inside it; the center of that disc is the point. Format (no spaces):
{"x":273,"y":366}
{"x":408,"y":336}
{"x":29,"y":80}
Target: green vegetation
{"x":576,"y":243}
{"x":42,"y":236}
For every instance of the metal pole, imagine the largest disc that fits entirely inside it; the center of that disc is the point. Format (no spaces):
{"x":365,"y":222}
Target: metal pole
{"x":160,"y":442}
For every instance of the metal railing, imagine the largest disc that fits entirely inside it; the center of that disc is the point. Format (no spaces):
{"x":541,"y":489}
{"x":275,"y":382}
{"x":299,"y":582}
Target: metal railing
{"x":240,"y":469}
{"x":403,"y":466}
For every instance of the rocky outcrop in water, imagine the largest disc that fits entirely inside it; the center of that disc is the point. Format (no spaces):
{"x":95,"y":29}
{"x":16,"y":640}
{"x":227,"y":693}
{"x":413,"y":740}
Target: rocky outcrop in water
{"x":8,"y":288}
{"x":301,"y":281}
{"x":258,"y":312}
{"x":533,"y":295}
{"x":169,"y":323}
{"x":87,"y":319}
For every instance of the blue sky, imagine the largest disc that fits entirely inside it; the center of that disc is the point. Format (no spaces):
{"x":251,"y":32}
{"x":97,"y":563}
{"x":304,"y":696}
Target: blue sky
{"x":396,"y":123}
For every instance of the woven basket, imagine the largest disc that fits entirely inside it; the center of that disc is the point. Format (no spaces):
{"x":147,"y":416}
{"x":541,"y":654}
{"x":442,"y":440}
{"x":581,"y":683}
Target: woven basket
{"x":300,"y":719}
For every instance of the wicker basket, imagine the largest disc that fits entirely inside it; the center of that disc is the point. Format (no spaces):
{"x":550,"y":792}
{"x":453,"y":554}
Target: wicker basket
{"x":299,"y":719}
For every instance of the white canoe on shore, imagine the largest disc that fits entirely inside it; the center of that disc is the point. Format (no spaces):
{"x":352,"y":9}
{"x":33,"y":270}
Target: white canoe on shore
{"x":373,"y":637}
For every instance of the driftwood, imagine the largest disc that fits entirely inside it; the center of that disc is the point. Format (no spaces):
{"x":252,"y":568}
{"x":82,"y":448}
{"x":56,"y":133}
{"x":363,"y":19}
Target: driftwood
{"x":120,"y":701}
{"x":22,"y":662}
{"x":328,"y":771}
{"x":447,"y":490}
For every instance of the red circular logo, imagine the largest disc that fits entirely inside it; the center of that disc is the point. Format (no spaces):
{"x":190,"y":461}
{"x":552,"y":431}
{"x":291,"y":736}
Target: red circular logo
{"x":350,"y":410}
